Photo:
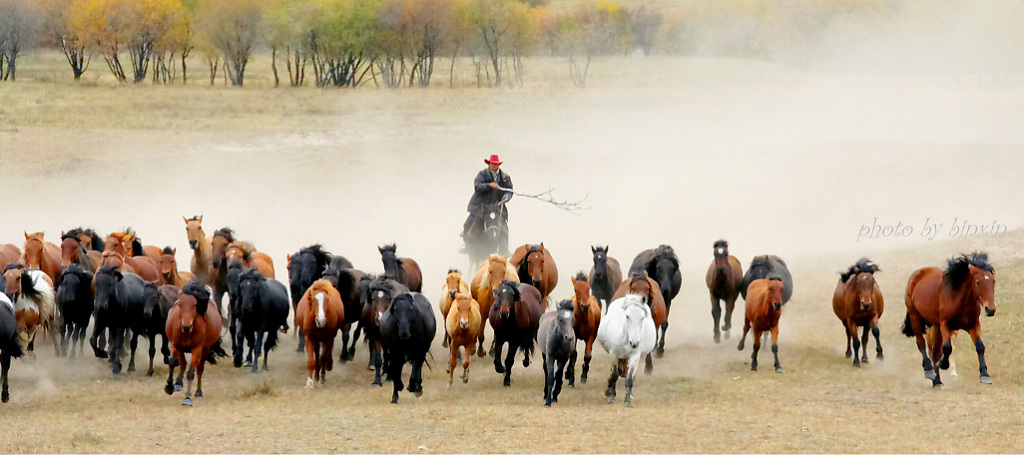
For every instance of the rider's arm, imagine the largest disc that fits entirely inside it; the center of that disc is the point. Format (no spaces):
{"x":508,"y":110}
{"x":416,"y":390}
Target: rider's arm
{"x":508,"y":194}
{"x":480,"y":183}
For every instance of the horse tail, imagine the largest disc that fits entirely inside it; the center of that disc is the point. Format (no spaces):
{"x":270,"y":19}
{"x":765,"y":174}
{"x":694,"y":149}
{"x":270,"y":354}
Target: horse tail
{"x":427,"y":362}
{"x":216,"y":352}
{"x":907,"y":329}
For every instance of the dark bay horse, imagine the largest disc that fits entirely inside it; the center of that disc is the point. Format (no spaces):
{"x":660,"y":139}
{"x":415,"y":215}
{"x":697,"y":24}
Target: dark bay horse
{"x":42,"y":255}
{"x":9,"y":346}
{"x":73,"y":251}
{"x":535,"y":266}
{"x":320,"y":314}
{"x":604,"y":277}
{"x":723,"y":278}
{"x":948,"y":301}
{"x":485,"y":281}
{"x":377,"y":293}
{"x":346,"y":280}
{"x":121,"y":300}
{"x":661,"y":265}
{"x":75,"y":300}
{"x":304,"y":268}
{"x":586,"y":322}
{"x":515,"y":318}
{"x":857,"y":302}
{"x":557,"y":341}
{"x":761,"y":267}
{"x":763,"y":308}
{"x":155,"y":315}
{"x":403,"y":270}
{"x":407,"y":328}
{"x":639,"y":283}
{"x":192,"y":328}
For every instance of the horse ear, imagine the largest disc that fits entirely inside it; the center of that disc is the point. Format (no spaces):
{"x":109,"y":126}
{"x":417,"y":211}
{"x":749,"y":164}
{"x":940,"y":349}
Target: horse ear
{"x":200,"y":219}
{"x":26,"y":235}
{"x":573,"y":279}
{"x":593,"y":250}
{"x":380,"y":250}
{"x":119,"y":275}
{"x":174,"y":251}
{"x":186,"y":220}
{"x":606,"y":249}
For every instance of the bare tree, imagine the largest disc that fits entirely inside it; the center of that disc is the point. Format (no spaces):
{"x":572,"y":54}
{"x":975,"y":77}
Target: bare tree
{"x":74,"y":49}
{"x":233,"y":27}
{"x":502,"y":28}
{"x":19,"y":24}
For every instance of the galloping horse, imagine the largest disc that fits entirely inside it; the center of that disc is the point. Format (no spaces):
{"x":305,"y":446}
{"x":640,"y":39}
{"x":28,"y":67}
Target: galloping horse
{"x":346,"y":280}
{"x":604,"y":277}
{"x":137,"y":249}
{"x":515,"y":318}
{"x":144,"y":266}
{"x":41,"y":255}
{"x":485,"y":281}
{"x":407,"y":329}
{"x":74,"y":300}
{"x":463,"y":324}
{"x":377,"y":294}
{"x":261,"y":310}
{"x":320,"y":313}
{"x":169,"y":273}
{"x":191,"y":328}
{"x":403,"y":270}
{"x":121,"y":301}
{"x":857,"y":301}
{"x":947,"y":301}
{"x":762,"y":267}
{"x":31,"y":292}
{"x":9,"y":254}
{"x":305,"y":267}
{"x":247,"y":253}
{"x":9,"y":346}
{"x":535,"y":266}
{"x":453,"y":284}
{"x":662,"y":265}
{"x":763,"y":308}
{"x":723,"y":278}
{"x":627,"y":333}
{"x":639,"y":283}
{"x":203,"y":266}
{"x":117,"y":260}
{"x":557,"y":343}
{"x":73,"y":251}
{"x":586,"y":322}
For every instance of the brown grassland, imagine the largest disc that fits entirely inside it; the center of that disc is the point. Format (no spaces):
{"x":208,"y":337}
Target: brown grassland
{"x":667,"y":150}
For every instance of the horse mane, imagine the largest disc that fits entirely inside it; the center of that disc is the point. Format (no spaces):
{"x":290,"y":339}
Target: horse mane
{"x":864,"y":265}
{"x":198,"y":290}
{"x":137,"y":247}
{"x":516,"y":296}
{"x":391,"y":247}
{"x":566,"y":305}
{"x":665,"y":251}
{"x":225,"y":232}
{"x":14,"y":266}
{"x":721,"y":243}
{"x":958,"y":268}
{"x":72,"y":234}
{"x":580,"y":276}
{"x":195,"y":218}
{"x":761,"y":262}
{"x":168,"y":250}
{"x":322,"y":257}
{"x":97,"y":241}
{"x":773,"y":277}
{"x":247,"y":248}
{"x":454,"y":271}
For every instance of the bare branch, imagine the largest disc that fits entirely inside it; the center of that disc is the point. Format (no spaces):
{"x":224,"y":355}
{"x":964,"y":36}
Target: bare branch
{"x":546,"y":196}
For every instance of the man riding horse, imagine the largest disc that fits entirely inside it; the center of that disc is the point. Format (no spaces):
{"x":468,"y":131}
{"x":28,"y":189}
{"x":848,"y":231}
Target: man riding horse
{"x":491,"y":186}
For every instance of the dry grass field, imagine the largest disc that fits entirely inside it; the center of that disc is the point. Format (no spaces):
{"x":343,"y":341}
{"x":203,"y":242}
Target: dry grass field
{"x":666,"y":150}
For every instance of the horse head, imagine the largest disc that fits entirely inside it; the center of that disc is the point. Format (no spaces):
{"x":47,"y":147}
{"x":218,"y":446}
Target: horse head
{"x":169,"y":265}
{"x":464,"y":306}
{"x":639,"y":284}
{"x":581,"y":290}
{"x":187,"y":312}
{"x":775,"y":287}
{"x":13,"y":277}
{"x":663,"y":267}
{"x":71,"y":247}
{"x":453,"y":281}
{"x":113,"y":258}
{"x":194,"y":229}
{"x":497,"y":267}
{"x":860,"y":281}
{"x":107,"y":278}
{"x":403,"y":313}
{"x":390,"y":259}
{"x":976,"y":269}
{"x":721,"y":254}
{"x":534,"y":263}
{"x":566,"y":319}
{"x":33,"y":256}
{"x":250,"y":284}
{"x":90,"y":239}
{"x":600,"y":259}
{"x":378,"y":298}
{"x":637,"y":311}
{"x":505,"y":297}
{"x":219,"y":242}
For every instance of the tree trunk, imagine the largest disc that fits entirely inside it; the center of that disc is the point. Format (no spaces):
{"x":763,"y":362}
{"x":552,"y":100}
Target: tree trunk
{"x":273,"y":65}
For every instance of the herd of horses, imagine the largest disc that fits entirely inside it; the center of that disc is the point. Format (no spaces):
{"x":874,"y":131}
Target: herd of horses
{"x":125,"y":289}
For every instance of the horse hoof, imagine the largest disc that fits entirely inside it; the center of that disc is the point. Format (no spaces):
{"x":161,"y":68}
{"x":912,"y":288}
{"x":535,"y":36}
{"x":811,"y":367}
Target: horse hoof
{"x":986,"y":380}
{"x":880,"y":356}
{"x":394,"y":399}
{"x":169,"y":389}
{"x":5,"y":397}
{"x":309,"y":383}
{"x":778,"y":369}
{"x":246,"y":363}
{"x":115,"y":375}
{"x":944,"y":363}
{"x":610,"y":399}
{"x":659,"y":353}
{"x":465,"y":379}
{"x":572,"y":383}
{"x":937,"y":385}
{"x":726,"y":333}
{"x":376,"y":384}
{"x":177,"y":387}
{"x":629,"y":403}
{"x":583,"y":379}
{"x":547,"y":404}
{"x":149,"y":372}
{"x":718,"y":338}
{"x":187,"y":402}
{"x":498,"y":368}
{"x":856,"y":363}
{"x":930,"y":374}
{"x":849,"y":354}
{"x":508,"y":382}
{"x":418,"y":393}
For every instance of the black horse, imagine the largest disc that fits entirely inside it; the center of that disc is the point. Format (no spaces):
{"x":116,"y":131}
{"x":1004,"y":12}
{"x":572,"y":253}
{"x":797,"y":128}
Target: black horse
{"x":74,"y":301}
{"x":305,"y":267}
{"x":262,"y":311}
{"x":557,"y":342}
{"x":407,"y":328}
{"x":488,"y":235}
{"x":515,"y":318}
{"x":346,"y":280}
{"x":662,"y":265}
{"x":9,"y":346}
{"x":121,"y":299}
{"x":377,"y":294}
{"x":605,"y":276}
{"x":233,"y":278}
{"x":761,"y":267}
{"x":402,"y":270}
{"x":155,"y":314}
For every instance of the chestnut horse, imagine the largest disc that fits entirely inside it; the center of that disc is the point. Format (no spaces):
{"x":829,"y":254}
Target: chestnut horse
{"x":169,"y":273}
{"x":948,"y":301}
{"x":117,"y":260}
{"x":857,"y":302}
{"x":73,"y":251}
{"x":192,"y":328}
{"x":535,"y":266}
{"x":605,"y":276}
{"x":320,"y":314}
{"x":763,"y":308}
{"x":207,"y":264}
{"x":9,"y":254}
{"x":463,"y":325}
{"x":403,"y":270}
{"x":487,"y":279}
{"x":143,"y":266}
{"x":639,"y":283}
{"x":247,"y":253}
{"x":515,"y":318}
{"x":586,"y":321}
{"x":453,"y":284}
{"x":41,"y":255}
{"x":723,"y":278}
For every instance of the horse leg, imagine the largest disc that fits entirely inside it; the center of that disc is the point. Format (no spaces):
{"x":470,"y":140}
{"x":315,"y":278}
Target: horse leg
{"x":114,"y":351}
{"x":250,"y":339}
{"x":454,"y":352}
{"x":935,"y":345}
{"x":548,"y":380}
{"x":612,"y":380}
{"x":634,"y":363}
{"x":746,"y":328}
{"x":267,"y":346}
{"x":660,"y":351}
{"x":510,"y":359}
{"x":355,"y":337}
{"x":775,"y":348}
{"x":864,"y":343}
{"x":558,"y":380}
{"x":343,"y":357}
{"x":66,"y":331}
{"x":465,"y":362}
{"x":5,"y":365}
{"x":496,"y":346}
{"x":716,"y":314}
{"x":416,"y":377}
{"x":152,"y":353}
{"x":947,"y":345}
{"x":851,"y":337}
{"x":377,"y":360}
{"x":169,"y":388}
{"x":394,"y":369}
{"x":757,"y":347}
{"x":258,"y":346}
{"x":978,"y":345}
{"x":649,"y":365}
{"x":480,"y":350}
{"x":182,"y":363}
{"x":587,"y":355}
{"x":197,"y":353}
{"x":199,"y":373}
{"x":878,"y":344}
{"x":311,"y":362}
{"x":97,"y":350}
{"x":327,"y":358}
{"x":730,"y":304}
{"x":570,"y":371}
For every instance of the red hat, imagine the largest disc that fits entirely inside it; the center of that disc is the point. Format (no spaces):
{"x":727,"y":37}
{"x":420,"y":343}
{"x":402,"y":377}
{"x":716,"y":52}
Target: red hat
{"x":493,"y":160}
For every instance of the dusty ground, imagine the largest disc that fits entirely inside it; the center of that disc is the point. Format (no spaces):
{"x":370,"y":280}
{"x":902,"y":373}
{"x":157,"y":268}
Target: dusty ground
{"x":674,"y":151}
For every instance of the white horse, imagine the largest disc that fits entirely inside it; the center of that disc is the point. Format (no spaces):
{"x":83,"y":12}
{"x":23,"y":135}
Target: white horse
{"x":627,"y":332}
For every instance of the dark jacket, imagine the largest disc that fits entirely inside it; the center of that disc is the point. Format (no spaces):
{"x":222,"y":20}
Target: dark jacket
{"x":484,"y":194}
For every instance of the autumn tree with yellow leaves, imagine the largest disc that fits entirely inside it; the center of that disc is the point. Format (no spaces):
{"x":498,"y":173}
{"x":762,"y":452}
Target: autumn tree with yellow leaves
{"x":116,"y":26}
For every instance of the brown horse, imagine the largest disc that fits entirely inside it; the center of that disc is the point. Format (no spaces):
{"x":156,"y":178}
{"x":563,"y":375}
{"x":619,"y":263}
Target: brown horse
{"x":586,"y":321}
{"x":73,"y":251}
{"x":724,"y":277}
{"x":31,"y":293}
{"x":41,"y":255}
{"x":605,"y":275}
{"x":9,"y":254}
{"x":763,"y":308}
{"x":486,"y":279}
{"x":117,"y":260}
{"x":202,"y":250}
{"x":858,"y":302}
{"x":535,"y":266}
{"x":640,"y":283}
{"x":402,"y":270}
{"x":169,"y":273}
{"x":463,"y":325}
{"x":247,"y":253}
{"x":144,"y":266}
{"x":137,"y":249}
{"x":948,"y":301}
{"x":453,"y":284}
{"x":191,"y":328}
{"x":320,"y":314}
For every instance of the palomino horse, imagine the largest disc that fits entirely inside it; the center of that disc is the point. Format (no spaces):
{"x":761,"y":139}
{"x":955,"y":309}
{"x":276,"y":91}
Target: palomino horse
{"x":723,"y":278}
{"x":535,"y":266}
{"x":41,"y":255}
{"x":515,"y":318}
{"x":557,"y":343}
{"x":662,"y":265}
{"x":31,"y":292}
{"x":403,"y":270}
{"x":169,"y":273}
{"x":604,"y":277}
{"x":9,"y":346}
{"x":73,"y":251}
{"x":487,"y":279}
{"x":639,"y":283}
{"x":247,"y":253}
{"x":628,"y":332}
{"x":763,"y":308}
{"x":143,"y":266}
{"x":948,"y":301}
{"x":858,"y":301}
{"x":320,"y":314}
{"x":191,"y":328}
{"x":453,"y":284}
{"x":9,"y":254}
{"x":463,"y":325}
{"x":407,"y":329}
{"x":586,"y":321}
